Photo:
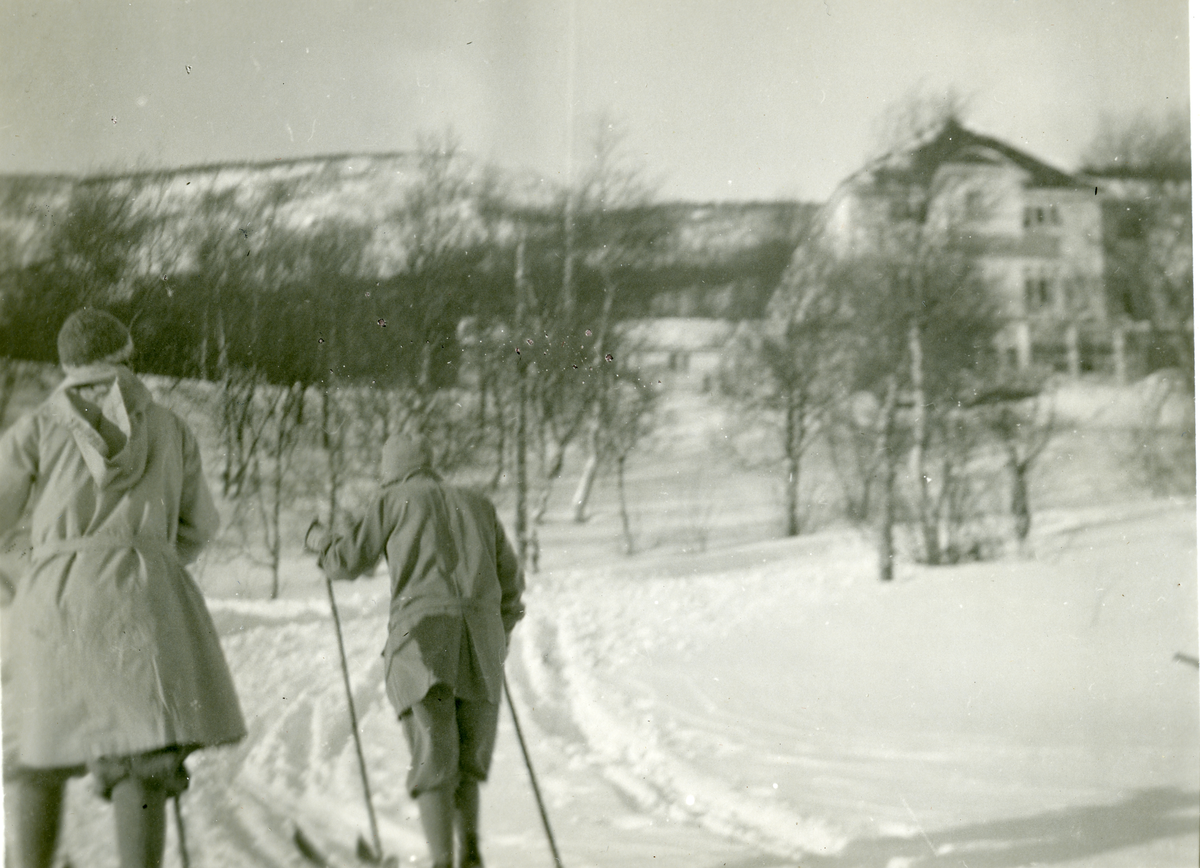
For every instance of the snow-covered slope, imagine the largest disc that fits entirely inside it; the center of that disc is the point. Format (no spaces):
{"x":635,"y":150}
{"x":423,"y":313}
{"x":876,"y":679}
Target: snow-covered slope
{"x":786,"y":711}
{"x":753,"y":702}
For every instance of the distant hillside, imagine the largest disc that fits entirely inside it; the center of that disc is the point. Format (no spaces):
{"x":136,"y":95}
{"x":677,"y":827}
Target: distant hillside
{"x":722,"y":260}
{"x":716,"y":260}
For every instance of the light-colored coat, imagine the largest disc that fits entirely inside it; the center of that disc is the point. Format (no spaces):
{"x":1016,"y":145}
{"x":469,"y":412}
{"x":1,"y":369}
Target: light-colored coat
{"x":456,"y":585}
{"x":111,"y":648}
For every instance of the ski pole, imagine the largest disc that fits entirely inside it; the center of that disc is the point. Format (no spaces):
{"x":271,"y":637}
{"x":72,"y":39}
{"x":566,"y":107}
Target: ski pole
{"x":362,"y":763}
{"x":537,"y":793}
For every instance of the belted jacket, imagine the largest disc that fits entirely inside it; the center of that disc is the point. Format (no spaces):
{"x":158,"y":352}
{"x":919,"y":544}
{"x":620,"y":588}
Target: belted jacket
{"x":109,"y":647}
{"x":456,"y":585}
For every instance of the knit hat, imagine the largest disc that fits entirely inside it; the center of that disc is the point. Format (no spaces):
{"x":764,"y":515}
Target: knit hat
{"x":402,"y":454}
{"x":90,"y":336}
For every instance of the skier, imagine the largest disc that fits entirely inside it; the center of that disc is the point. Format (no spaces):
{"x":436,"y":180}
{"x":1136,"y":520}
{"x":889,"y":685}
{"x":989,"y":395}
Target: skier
{"x":456,"y":592}
{"x":114,"y":667}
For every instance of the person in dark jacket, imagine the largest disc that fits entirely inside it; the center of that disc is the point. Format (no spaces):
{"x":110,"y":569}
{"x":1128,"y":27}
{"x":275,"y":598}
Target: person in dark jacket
{"x":456,"y":591}
{"x":112,"y":664}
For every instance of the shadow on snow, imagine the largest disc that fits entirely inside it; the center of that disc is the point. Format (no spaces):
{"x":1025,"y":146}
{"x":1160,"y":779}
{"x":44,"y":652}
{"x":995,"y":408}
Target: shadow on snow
{"x":1054,"y":836}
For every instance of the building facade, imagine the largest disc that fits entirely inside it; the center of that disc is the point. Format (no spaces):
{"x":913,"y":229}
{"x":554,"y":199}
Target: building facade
{"x":1034,"y":231}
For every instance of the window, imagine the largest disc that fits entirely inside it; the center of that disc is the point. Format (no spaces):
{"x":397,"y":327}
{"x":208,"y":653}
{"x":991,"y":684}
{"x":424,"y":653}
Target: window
{"x":1039,"y":291}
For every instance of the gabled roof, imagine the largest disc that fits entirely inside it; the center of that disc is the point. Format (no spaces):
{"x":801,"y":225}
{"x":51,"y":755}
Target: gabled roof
{"x":953,"y":143}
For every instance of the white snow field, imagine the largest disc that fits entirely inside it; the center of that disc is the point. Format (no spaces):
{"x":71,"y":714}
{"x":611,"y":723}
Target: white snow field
{"x":725,"y":698}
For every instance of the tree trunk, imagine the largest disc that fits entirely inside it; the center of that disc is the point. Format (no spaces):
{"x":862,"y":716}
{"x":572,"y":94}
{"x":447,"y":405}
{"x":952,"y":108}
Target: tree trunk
{"x":630,"y":544}
{"x":551,"y":472}
{"x":1071,"y":338}
{"x":273,"y":533}
{"x":520,"y":432}
{"x":273,"y":541}
{"x":425,"y":375}
{"x":584,"y":490}
{"x":521,"y":519}
{"x":331,"y":440}
{"x":887,"y":465}
{"x":9,"y":374}
{"x":1022,"y":517}
{"x":1120,"y":369}
{"x":502,"y":428}
{"x":588,"y":478}
{"x":289,"y":414}
{"x":925,"y":508}
{"x":792,"y":465}
{"x":222,"y":342}
{"x":232,"y":421}
{"x":228,"y":401}
{"x":568,"y":280}
{"x":203,"y":351}
{"x":791,"y":491}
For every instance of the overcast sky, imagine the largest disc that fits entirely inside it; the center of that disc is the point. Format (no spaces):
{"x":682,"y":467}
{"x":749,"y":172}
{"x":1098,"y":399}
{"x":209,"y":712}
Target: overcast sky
{"x":720,"y":99}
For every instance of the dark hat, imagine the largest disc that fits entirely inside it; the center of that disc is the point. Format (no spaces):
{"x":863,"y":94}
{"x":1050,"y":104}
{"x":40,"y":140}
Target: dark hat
{"x":90,"y":336}
{"x":402,"y":454}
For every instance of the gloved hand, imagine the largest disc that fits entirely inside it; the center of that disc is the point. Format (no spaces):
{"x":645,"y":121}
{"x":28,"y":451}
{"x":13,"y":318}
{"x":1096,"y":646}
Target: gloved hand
{"x":316,"y":538}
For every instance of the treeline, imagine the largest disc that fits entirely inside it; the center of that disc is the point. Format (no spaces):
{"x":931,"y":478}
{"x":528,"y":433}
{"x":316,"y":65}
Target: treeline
{"x":466,"y":312}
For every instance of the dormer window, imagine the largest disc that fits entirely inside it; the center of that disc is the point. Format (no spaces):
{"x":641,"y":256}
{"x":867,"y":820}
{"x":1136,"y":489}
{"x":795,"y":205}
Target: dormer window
{"x":1040,"y":215}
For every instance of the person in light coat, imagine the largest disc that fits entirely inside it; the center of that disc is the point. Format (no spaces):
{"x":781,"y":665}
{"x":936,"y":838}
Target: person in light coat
{"x":113,"y":665}
{"x":456,"y":592}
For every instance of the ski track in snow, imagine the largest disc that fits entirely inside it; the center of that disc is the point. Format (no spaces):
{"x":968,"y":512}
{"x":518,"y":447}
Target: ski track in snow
{"x":652,"y":767}
{"x":298,"y":764}
{"x":575,"y":647}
